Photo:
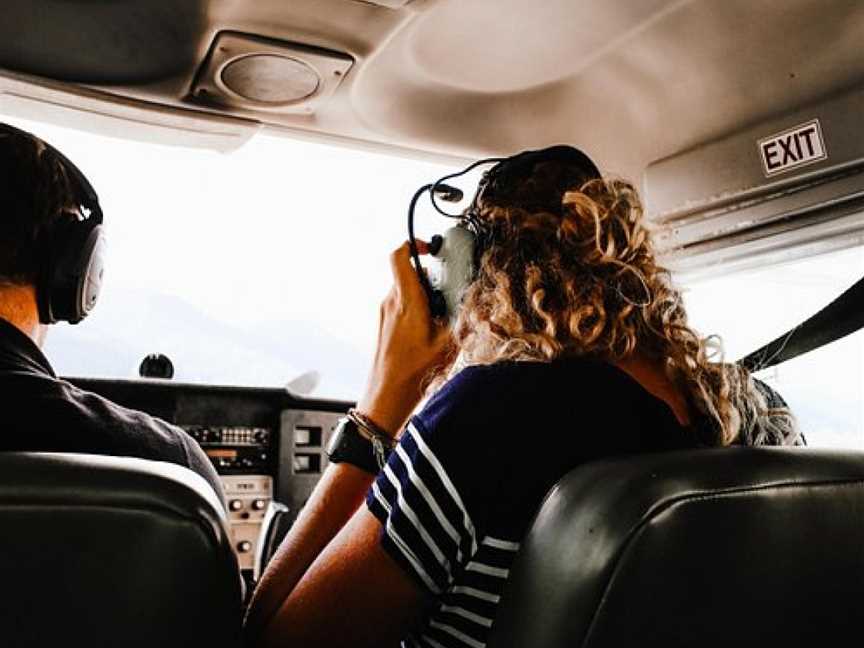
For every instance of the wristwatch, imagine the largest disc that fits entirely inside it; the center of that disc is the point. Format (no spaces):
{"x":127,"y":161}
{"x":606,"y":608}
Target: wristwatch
{"x":349,"y":445}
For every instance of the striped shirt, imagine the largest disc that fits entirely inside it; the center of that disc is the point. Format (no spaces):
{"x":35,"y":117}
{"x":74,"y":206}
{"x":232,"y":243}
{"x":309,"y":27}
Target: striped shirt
{"x":461,"y":488}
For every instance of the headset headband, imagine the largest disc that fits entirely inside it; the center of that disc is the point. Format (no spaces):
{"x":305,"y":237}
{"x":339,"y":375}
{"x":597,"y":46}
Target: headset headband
{"x":502,"y":184}
{"x":85,"y":193}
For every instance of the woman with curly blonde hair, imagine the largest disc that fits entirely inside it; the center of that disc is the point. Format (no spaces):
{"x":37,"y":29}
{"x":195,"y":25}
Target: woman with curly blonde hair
{"x":571,"y":345}
{"x":580,"y":279}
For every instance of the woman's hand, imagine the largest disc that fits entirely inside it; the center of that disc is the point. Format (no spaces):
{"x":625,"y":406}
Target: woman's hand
{"x":410,"y":346}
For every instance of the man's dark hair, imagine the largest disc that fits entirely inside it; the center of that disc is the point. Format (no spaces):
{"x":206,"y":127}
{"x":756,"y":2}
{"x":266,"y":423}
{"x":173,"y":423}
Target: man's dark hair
{"x":35,"y":191}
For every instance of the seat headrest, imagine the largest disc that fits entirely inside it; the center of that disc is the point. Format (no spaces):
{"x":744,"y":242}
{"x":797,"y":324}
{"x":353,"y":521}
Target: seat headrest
{"x":102,"y":551}
{"x":734,"y":546}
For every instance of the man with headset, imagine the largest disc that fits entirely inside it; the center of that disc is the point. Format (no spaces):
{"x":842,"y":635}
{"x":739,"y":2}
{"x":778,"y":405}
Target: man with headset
{"x":51,"y":245}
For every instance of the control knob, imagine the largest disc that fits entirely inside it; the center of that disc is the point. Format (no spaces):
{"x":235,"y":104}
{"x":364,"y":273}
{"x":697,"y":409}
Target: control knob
{"x":244,"y":546}
{"x":235,"y":505}
{"x":259,"y":504}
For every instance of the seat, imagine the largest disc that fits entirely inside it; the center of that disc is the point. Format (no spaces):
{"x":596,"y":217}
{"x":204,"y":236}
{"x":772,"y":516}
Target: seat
{"x":725,"y":547}
{"x":107,"y":551}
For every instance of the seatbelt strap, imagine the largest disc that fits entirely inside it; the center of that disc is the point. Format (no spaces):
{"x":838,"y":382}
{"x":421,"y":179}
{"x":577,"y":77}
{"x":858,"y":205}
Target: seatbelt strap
{"x":838,"y":319}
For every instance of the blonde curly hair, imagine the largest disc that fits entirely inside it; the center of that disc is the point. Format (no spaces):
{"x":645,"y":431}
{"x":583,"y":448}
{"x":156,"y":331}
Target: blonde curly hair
{"x":584,"y":282}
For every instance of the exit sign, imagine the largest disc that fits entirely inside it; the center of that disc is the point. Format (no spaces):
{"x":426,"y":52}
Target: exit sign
{"x":793,"y":148}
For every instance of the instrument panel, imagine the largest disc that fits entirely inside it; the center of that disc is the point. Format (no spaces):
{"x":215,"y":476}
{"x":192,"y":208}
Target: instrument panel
{"x":266,"y":444}
{"x":235,"y":450}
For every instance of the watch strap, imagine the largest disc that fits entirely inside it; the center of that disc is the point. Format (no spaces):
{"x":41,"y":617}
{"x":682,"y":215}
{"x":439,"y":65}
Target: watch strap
{"x":348,"y":445}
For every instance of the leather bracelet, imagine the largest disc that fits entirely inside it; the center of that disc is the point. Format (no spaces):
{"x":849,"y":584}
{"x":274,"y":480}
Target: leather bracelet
{"x":382,"y":443}
{"x":372,"y":427}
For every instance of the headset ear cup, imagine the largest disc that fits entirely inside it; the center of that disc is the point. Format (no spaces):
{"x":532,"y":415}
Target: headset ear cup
{"x":457,"y":268}
{"x":74,"y":278}
{"x":90,"y":282}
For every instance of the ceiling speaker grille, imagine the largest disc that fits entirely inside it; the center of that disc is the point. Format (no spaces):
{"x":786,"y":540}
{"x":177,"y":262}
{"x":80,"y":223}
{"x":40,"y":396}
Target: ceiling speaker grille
{"x":258,"y":74}
{"x":271,"y":79}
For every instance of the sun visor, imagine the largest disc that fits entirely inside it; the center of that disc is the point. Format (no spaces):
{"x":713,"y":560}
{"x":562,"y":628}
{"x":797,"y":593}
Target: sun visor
{"x":93,"y":111}
{"x":787,"y":188}
{"x":116,"y":42}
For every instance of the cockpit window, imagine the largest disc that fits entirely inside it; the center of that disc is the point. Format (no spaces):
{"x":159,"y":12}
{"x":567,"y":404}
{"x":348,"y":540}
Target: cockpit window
{"x":256,"y":267}
{"x":825,"y":387}
{"x":250,"y":268}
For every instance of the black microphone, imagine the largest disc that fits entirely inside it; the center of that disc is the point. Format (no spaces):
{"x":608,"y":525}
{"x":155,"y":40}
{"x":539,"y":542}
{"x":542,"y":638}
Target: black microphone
{"x":448,"y":193}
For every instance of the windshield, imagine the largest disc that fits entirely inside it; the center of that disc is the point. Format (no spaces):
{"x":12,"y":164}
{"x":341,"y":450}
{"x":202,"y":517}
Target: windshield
{"x":255,"y":267}
{"x":249,"y":268}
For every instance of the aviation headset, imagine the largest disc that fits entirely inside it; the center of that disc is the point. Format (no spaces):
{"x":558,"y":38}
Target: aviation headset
{"x":461,"y":247}
{"x":72,"y":250}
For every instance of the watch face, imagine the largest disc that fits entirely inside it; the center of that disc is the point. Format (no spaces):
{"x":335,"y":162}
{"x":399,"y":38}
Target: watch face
{"x":347,"y":445}
{"x":336,"y":437}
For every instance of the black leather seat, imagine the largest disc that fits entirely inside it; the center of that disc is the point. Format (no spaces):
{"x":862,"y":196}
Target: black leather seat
{"x":731,"y":547}
{"x":105,"y":551}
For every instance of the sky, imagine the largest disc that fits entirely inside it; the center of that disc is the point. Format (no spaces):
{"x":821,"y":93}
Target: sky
{"x":256,"y":266}
{"x":249,"y":268}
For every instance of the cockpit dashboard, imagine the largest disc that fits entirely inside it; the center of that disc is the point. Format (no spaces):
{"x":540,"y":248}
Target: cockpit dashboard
{"x":268,"y":446}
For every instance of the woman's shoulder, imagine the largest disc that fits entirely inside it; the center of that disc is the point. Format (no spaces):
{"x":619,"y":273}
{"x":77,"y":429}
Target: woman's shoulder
{"x":480,"y":395}
{"x":486,"y":382}
{"x":480,"y":378}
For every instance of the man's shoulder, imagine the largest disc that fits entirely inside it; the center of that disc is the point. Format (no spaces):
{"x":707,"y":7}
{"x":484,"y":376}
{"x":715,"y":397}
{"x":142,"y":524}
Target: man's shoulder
{"x":124,"y":431}
{"x":43,"y":413}
{"x":105,"y":412}
{"x":52,"y":411}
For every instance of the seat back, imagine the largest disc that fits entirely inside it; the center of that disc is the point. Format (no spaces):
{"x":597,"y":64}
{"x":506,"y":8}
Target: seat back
{"x":107,"y":551}
{"x":726,"y":547}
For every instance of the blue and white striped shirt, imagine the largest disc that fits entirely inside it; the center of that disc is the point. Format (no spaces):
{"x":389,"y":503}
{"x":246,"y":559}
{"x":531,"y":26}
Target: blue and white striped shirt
{"x":471,"y":469}
{"x":428,"y":528}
